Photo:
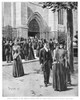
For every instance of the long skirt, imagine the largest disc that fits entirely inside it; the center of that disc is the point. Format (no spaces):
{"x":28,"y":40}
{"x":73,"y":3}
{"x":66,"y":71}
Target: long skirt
{"x":37,"y":53}
{"x":59,"y":77}
{"x":31,"y":54}
{"x":18,"y":67}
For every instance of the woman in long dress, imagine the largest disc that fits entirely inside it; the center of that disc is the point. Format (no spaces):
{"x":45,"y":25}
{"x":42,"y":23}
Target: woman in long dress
{"x":31,"y":51}
{"x":17,"y":63}
{"x":38,"y":48}
{"x":59,"y":74}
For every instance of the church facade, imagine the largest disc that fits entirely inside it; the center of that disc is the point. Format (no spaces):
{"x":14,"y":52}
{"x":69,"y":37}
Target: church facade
{"x":30,"y":19}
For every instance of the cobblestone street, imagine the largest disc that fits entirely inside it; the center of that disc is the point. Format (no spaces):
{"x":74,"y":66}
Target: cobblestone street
{"x":31,"y":84}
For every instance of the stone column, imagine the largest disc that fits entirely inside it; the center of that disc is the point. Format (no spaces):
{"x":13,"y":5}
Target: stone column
{"x":18,"y":18}
{"x":18,"y":14}
{"x":75,"y":24}
{"x":2,"y":14}
{"x":3,"y":19}
{"x":24,"y":19}
{"x":12,"y":15}
{"x":21,"y":20}
{"x":65,"y":20}
{"x":51,"y":24}
{"x":56,"y":24}
{"x":13,"y":19}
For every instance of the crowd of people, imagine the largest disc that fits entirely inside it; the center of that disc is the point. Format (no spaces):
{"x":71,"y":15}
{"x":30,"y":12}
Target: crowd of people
{"x":27,"y":48}
{"x":52,"y":55}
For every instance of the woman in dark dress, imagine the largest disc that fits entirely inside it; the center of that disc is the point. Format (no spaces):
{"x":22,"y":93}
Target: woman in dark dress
{"x":3,"y":51}
{"x":31,"y":51}
{"x":17,"y":63}
{"x":39,"y":46}
{"x":25,"y":49}
{"x":59,"y":74}
{"x":10,"y":52}
{"x":7,"y":49}
{"x":38,"y":49}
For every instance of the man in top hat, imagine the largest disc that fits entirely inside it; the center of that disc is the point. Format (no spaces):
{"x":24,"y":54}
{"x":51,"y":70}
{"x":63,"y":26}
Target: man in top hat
{"x":46,"y":60}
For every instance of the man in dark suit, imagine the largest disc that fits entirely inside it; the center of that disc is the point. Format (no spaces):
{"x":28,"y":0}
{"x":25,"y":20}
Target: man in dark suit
{"x":46,"y":60}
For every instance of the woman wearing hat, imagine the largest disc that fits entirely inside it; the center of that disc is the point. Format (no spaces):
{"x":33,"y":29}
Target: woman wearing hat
{"x":59,"y":77}
{"x":17,"y":63}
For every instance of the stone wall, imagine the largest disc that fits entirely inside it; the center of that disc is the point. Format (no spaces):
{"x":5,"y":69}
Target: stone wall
{"x":18,"y":15}
{"x":7,"y":13}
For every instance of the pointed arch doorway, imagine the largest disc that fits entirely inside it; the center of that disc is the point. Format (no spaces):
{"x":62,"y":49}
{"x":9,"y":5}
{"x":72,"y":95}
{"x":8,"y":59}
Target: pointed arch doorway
{"x":36,"y":25}
{"x":33,"y":29}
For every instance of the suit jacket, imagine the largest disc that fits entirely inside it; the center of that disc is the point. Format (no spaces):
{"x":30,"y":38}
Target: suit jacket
{"x":45,"y":59}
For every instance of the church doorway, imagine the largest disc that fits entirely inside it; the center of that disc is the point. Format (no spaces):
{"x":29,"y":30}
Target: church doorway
{"x":34,"y":29}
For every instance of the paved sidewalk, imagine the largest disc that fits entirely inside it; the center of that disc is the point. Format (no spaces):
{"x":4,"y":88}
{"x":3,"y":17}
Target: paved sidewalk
{"x":4,"y":63}
{"x":32,"y":83}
